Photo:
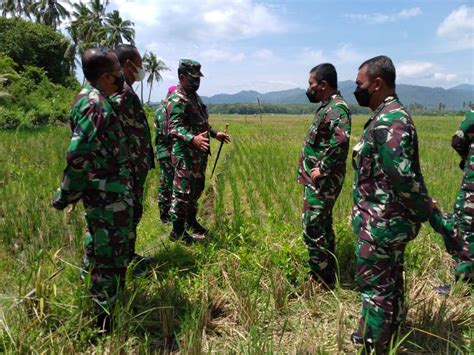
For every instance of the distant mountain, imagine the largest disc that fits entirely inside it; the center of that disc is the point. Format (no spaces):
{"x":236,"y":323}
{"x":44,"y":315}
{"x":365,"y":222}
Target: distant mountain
{"x":453,"y":98}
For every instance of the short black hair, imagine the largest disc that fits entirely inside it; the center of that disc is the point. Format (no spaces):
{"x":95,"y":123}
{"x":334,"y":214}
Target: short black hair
{"x":381,"y":66}
{"x":125,"y":52}
{"x":327,"y":72}
{"x":95,"y":62}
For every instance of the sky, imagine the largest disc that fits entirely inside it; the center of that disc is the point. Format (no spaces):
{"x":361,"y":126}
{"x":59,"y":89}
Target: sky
{"x":271,"y":45}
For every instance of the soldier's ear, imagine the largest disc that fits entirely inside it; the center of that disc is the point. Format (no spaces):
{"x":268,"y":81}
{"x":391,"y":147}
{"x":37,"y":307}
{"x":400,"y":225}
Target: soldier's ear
{"x":379,"y":83}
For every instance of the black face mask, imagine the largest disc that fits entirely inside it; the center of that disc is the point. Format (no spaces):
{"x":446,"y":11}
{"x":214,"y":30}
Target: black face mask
{"x":194,"y":83}
{"x":311,"y":95}
{"x":119,"y":81}
{"x":362,"y":96}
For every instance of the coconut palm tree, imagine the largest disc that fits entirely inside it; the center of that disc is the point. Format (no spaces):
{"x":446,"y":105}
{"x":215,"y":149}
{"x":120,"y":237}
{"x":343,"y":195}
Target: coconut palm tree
{"x":115,"y":30}
{"x":50,"y":12}
{"x":154,"y":67}
{"x":87,"y":24}
{"x":15,"y":8}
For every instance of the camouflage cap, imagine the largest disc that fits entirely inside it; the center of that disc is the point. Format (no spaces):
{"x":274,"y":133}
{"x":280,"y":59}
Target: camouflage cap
{"x":190,"y":67}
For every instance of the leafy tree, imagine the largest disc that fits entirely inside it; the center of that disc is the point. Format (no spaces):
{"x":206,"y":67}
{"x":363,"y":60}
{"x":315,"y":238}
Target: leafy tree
{"x":29,"y":43}
{"x":154,"y":67}
{"x":15,"y":8}
{"x":50,"y":12}
{"x":115,"y":30}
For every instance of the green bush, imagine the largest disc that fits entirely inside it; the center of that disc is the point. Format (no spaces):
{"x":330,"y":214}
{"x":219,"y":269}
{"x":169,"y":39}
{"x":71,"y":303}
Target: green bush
{"x":33,"y":44}
{"x":10,"y":118}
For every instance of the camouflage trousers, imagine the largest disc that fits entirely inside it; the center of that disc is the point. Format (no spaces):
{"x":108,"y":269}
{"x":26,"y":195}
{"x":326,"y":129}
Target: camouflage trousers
{"x":379,"y":256}
{"x":457,"y":230}
{"x":318,"y":234}
{"x":138,"y":193}
{"x":109,"y":219}
{"x":165,"y":190}
{"x":188,"y":185}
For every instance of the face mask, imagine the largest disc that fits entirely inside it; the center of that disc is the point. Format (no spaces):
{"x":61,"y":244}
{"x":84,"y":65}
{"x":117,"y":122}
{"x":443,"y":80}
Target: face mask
{"x":139,"y":73}
{"x":119,"y":81}
{"x":311,"y":95}
{"x":194,"y":83}
{"x":362,"y":96}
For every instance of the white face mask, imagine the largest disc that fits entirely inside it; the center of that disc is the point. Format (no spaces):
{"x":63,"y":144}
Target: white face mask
{"x":139,"y":73}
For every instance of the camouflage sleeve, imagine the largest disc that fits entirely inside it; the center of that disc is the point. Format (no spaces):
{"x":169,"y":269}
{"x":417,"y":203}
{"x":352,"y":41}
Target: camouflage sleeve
{"x":212,"y":132}
{"x":463,"y":137}
{"x":177,"y":116}
{"x":397,"y":146}
{"x":156,"y":122}
{"x":80,"y":156}
{"x":336,"y":152}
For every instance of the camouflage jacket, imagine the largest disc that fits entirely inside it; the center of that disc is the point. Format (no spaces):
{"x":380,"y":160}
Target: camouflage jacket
{"x":388,"y":182}
{"x":188,"y":117}
{"x":98,"y":156}
{"x":136,"y":129}
{"x":327,"y":142}
{"x":162,"y":131}
{"x":463,"y":144}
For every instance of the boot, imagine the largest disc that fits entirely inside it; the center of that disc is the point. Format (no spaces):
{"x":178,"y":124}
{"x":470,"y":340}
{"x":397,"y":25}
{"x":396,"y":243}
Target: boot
{"x":165,"y":217}
{"x":178,"y":233}
{"x":193,"y":225}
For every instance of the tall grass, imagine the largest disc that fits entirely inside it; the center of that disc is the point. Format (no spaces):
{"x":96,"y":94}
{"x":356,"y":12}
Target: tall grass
{"x":243,"y":289}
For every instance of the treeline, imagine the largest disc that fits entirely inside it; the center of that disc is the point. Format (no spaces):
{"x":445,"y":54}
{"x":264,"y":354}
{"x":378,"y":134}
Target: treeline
{"x":36,"y":81}
{"x":38,"y":62}
{"x":301,"y":109}
{"x":254,"y":109}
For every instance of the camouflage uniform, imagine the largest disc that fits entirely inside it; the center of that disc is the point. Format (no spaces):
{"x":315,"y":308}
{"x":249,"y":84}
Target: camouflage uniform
{"x":98,"y":172}
{"x":138,"y":136}
{"x":326,"y":146}
{"x":390,"y":202}
{"x":163,"y":155}
{"x":188,"y":117}
{"x":458,"y":228}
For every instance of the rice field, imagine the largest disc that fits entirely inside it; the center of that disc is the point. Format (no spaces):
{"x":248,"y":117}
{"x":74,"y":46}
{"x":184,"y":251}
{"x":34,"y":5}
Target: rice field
{"x":243,"y":289}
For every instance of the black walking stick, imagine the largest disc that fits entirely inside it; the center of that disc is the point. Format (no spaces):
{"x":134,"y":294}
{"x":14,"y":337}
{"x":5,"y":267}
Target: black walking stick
{"x":219,"y":151}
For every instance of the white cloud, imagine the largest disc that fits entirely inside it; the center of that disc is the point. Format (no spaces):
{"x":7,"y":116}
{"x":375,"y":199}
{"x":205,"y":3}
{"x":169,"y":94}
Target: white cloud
{"x":422,"y":72}
{"x":346,"y":53}
{"x":411,"y":69}
{"x":458,"y":28}
{"x":264,"y":54}
{"x":205,"y":20}
{"x":378,"y":18}
{"x":313,"y":56}
{"x":221,"y":55}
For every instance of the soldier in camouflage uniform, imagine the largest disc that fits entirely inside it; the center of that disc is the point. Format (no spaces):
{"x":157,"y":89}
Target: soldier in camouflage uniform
{"x":98,"y":172}
{"x":189,"y":130}
{"x":163,"y":155}
{"x":136,"y":130}
{"x":458,"y":228}
{"x":322,"y":169}
{"x":390,"y":202}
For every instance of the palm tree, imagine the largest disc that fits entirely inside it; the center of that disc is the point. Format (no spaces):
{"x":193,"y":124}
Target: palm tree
{"x":50,"y":12}
{"x":115,"y":30}
{"x":87,"y":24}
{"x":154,"y":67}
{"x":15,"y":8}
{"x":85,"y":28}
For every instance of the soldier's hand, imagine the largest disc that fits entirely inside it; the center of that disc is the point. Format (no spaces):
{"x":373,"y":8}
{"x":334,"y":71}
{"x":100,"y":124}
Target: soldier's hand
{"x":201,"y":141}
{"x":223,"y":137}
{"x":71,"y":208}
{"x":315,"y":174}
{"x":435,"y":206}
